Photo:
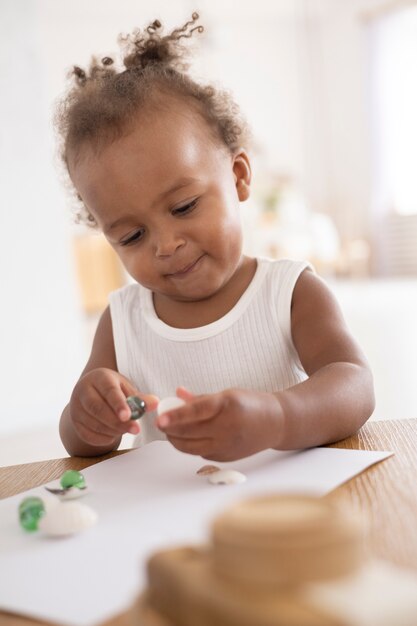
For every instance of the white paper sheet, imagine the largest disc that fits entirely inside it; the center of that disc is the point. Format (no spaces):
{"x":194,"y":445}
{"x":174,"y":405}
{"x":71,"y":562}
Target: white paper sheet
{"x":147,"y":499}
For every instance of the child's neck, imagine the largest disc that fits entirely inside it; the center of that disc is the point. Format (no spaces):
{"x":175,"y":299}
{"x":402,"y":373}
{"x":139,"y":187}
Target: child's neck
{"x":202,"y":312}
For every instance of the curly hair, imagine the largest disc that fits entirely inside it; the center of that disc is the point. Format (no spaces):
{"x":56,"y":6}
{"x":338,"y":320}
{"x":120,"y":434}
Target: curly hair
{"x":102,"y":103}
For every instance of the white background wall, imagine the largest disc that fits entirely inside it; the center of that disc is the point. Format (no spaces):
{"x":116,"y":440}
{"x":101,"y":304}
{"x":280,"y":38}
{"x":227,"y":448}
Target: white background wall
{"x":298,"y":69}
{"x":41,"y":339}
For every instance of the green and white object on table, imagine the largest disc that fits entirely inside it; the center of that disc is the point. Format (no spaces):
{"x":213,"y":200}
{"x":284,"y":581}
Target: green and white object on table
{"x":31,"y":509}
{"x":72,"y":485}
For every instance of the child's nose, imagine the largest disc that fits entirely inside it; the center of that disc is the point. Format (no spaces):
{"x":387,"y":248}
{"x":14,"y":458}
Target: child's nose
{"x":167,"y":242}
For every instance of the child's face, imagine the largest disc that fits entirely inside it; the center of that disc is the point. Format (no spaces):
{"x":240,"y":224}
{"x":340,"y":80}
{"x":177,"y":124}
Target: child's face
{"x":167,"y":199}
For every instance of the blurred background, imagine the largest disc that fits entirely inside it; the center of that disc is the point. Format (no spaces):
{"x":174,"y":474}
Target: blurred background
{"x":330,"y":91}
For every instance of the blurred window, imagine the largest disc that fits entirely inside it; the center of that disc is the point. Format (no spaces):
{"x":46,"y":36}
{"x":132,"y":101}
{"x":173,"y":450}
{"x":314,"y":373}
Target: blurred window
{"x":394,"y":109}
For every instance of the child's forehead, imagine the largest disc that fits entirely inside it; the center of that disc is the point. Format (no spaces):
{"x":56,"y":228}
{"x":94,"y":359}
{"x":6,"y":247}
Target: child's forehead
{"x":173,"y":124}
{"x":159,"y":138}
{"x":159,"y":149}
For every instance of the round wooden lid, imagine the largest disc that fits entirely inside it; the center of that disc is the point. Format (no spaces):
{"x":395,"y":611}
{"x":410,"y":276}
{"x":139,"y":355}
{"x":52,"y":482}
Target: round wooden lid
{"x":286,"y":539}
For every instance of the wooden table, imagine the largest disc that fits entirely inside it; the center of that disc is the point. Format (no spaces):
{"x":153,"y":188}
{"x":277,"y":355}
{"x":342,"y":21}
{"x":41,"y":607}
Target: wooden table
{"x":386,"y":493}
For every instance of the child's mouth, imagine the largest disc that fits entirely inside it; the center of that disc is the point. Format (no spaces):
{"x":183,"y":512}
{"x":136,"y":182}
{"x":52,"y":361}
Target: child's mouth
{"x":187,"y":269}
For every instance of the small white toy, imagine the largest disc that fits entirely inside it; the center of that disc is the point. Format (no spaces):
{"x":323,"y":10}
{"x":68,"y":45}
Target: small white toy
{"x":67,"y":518}
{"x":168,"y":404}
{"x":226,"y":477}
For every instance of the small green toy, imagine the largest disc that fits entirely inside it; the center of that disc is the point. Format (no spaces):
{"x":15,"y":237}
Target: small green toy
{"x":72,"y":478}
{"x":31,"y":509}
{"x":137,"y":407}
{"x":73,"y":486}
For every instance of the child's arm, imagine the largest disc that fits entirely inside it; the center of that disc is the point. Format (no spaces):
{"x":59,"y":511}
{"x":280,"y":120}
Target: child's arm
{"x":338,"y":397}
{"x":98,"y":415}
{"x":330,"y":405}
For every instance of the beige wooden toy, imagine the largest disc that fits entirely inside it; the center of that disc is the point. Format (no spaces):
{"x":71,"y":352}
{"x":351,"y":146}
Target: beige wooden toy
{"x":262,"y":553}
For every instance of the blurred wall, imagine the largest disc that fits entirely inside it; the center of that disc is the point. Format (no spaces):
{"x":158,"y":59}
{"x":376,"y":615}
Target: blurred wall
{"x":41,"y":342}
{"x":297,"y":67}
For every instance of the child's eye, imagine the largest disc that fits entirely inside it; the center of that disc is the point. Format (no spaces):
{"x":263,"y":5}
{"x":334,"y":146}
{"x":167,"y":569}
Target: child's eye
{"x":136,"y":236}
{"x":186,"y":208}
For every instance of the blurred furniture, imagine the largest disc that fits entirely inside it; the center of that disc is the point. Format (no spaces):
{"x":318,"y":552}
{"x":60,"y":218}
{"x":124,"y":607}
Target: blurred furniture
{"x":99,"y":271}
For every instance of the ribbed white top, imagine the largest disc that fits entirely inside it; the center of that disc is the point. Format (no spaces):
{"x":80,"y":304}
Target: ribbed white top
{"x":249,"y":348}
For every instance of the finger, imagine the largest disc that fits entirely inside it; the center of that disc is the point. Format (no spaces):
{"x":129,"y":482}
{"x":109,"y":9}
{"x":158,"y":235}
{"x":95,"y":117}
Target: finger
{"x":116,"y":400}
{"x":93,"y":438}
{"x":95,"y":407}
{"x":98,"y":436}
{"x":114,"y":388}
{"x":93,"y":432}
{"x":199,"y":447}
{"x":150,"y":400}
{"x":114,"y":391}
{"x":108,"y":402}
{"x":94,"y":426}
{"x":94,"y":404}
{"x":199,"y":409}
{"x":128,"y":389}
{"x":184,"y":394}
{"x":99,"y":425}
{"x":193,"y":430}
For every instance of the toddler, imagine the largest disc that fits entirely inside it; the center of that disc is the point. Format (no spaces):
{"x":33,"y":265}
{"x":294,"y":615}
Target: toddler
{"x":257,"y":348}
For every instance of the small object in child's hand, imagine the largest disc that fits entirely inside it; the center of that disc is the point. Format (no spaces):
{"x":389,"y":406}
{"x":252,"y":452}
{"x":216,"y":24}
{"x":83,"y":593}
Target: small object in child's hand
{"x":31,"y":510}
{"x":137,"y":407}
{"x":206,"y":470}
{"x":227,"y":477}
{"x":67,"y":518}
{"x":169,"y":404}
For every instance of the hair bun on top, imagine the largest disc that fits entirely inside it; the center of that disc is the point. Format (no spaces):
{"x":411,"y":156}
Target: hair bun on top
{"x":142,"y":48}
{"x":150,"y":46}
{"x":104,"y":99}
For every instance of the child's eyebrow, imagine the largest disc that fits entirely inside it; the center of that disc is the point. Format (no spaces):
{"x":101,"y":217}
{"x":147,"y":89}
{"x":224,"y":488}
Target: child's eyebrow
{"x":179,"y":184}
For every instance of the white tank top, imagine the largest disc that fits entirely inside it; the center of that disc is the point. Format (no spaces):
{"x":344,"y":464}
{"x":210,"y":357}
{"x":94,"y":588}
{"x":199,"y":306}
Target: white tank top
{"x":249,"y":348}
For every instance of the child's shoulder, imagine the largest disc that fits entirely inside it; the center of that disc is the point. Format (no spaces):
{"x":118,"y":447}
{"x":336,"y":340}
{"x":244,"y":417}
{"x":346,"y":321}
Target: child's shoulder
{"x":284,"y":272}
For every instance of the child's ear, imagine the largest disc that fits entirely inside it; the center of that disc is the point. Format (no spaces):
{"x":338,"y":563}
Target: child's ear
{"x":243,"y":174}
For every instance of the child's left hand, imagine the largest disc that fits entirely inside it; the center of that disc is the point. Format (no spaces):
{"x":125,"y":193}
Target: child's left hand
{"x":224,"y":426}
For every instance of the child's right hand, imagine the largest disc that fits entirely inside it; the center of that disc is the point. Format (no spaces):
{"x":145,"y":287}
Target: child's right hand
{"x":98,"y":409}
